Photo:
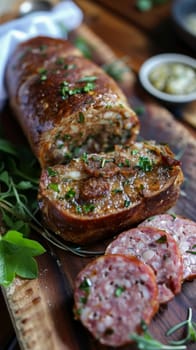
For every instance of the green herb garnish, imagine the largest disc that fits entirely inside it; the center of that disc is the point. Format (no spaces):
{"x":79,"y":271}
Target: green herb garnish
{"x":118,"y":291}
{"x":17,"y":257}
{"x":52,"y":172}
{"x":162,"y":239}
{"x":145,"y":164}
{"x":88,"y":79}
{"x":81,"y":118}
{"x":87,"y":208}
{"x":191,"y":251}
{"x":70,"y":194}
{"x":127,"y":203}
{"x":85,"y":285}
{"x":54,"y":186}
{"x":43,"y":74}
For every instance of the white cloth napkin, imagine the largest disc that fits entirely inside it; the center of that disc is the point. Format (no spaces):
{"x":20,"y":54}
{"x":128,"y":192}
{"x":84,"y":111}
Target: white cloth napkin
{"x":65,"y":16}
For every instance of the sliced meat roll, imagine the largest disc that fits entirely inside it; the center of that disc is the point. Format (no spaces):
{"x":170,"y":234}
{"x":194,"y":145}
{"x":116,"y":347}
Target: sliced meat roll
{"x":65,"y":103}
{"x":113,"y":295}
{"x":157,"y":249}
{"x":184,"y":232}
{"x":98,"y":195}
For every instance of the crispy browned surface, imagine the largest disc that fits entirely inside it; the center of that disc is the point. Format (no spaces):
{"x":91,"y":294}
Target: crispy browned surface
{"x":40,"y":67}
{"x":142,"y":193}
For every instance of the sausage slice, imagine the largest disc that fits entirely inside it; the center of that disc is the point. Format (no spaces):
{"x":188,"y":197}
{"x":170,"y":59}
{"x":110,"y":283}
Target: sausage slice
{"x":157,"y":249}
{"x":113,"y":295}
{"x":184,"y":232}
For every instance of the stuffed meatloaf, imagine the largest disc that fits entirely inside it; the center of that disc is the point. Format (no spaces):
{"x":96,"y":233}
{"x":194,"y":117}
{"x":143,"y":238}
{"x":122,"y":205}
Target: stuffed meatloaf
{"x":98,"y":195}
{"x":66,"y":104}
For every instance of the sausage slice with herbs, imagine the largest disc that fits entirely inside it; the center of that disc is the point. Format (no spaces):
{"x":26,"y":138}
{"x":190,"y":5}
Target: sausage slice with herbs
{"x":183,"y":231}
{"x":114,"y":295}
{"x":157,"y":249}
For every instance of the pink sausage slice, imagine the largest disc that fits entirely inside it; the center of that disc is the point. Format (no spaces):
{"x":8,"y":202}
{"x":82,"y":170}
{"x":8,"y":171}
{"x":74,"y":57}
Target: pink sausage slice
{"x":113,"y":295}
{"x":157,"y":249}
{"x":184,"y":232}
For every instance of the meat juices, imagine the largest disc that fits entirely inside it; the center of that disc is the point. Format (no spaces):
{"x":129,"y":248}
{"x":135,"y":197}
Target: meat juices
{"x":113,"y":295}
{"x":66,"y":104}
{"x":157,"y":249}
{"x":99,"y":195}
{"x":184,"y":232}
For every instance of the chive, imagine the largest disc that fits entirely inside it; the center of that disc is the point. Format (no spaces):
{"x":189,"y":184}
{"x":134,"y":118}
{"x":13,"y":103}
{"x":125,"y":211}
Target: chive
{"x":43,"y":74}
{"x":117,"y":190}
{"x":127,"y":203}
{"x":87,"y":208}
{"x":52,"y":172}
{"x":103,"y":161}
{"x":162,"y":239}
{"x":88,"y":79}
{"x":84,"y":157}
{"x":85,"y":285}
{"x":70,"y":194}
{"x":54,"y":186}
{"x":60,"y":60}
{"x":66,"y":137}
{"x":81,"y":118}
{"x":134,"y":152}
{"x":118,"y":291}
{"x":89,"y":87}
{"x":192,"y":251}
{"x":145,"y":164}
{"x":83,"y":300}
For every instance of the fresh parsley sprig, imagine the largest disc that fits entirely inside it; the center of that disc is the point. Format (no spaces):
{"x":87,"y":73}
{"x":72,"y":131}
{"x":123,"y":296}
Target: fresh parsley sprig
{"x":17,"y":257}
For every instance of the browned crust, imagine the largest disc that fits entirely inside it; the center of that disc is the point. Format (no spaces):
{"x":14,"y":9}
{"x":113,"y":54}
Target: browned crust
{"x":38,"y":104}
{"x":85,"y":230}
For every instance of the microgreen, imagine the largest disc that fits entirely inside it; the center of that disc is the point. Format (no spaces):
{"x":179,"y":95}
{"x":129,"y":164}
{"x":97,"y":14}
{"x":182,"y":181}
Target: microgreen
{"x":17,"y":257}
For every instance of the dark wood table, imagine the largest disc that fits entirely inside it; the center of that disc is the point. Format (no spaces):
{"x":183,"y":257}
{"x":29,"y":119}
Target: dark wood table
{"x":136,"y":35}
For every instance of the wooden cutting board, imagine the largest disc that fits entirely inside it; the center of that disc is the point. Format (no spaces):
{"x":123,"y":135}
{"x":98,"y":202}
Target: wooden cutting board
{"x":41,"y":310}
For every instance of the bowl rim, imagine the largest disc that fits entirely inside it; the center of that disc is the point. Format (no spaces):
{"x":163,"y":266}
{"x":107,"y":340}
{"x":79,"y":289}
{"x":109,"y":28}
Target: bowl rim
{"x":156,"y":60}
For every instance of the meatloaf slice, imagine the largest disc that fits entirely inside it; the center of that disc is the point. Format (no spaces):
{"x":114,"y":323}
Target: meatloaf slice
{"x":99,"y":195}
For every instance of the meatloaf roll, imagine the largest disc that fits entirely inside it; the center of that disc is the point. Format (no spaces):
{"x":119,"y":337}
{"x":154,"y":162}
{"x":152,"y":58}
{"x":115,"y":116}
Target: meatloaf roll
{"x":157,"y":249}
{"x":184,"y":231}
{"x":114,"y":295}
{"x":98,"y":195}
{"x":65,"y":103}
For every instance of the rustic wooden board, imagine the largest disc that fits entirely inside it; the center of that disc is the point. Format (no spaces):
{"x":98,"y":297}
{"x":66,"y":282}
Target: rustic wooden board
{"x":41,"y":309}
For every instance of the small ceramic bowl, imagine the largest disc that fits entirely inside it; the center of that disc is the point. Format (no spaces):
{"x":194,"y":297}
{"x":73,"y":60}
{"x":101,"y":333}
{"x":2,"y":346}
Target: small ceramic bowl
{"x":154,"y":62}
{"x":184,"y":18}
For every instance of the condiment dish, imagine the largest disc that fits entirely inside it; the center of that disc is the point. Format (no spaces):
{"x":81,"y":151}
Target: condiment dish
{"x":166,"y":88}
